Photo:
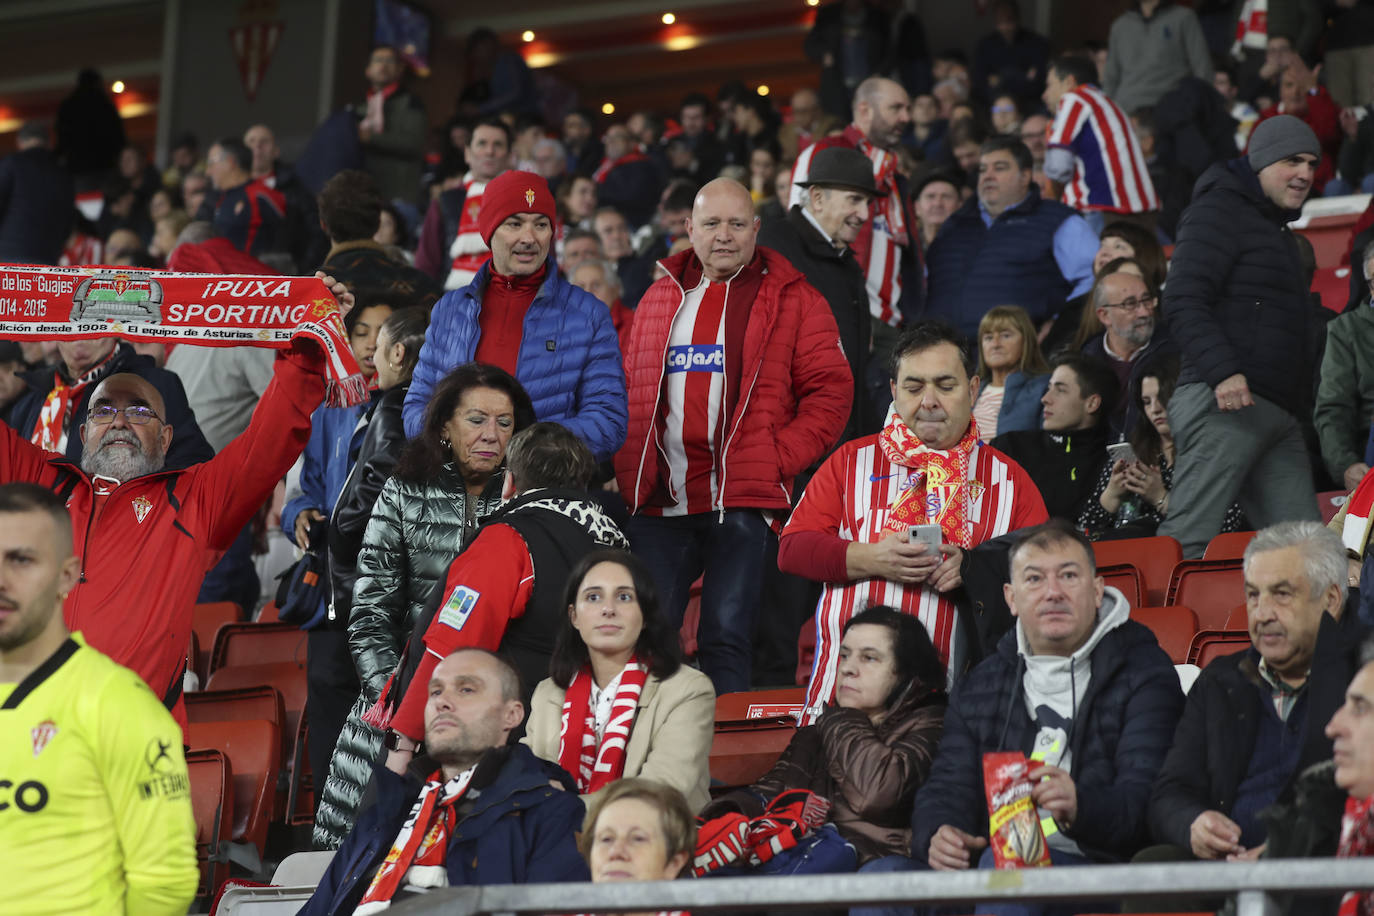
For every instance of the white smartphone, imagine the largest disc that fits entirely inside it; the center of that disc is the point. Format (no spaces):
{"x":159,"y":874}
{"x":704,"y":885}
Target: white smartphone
{"x":930,"y":535}
{"x":1120,"y":451}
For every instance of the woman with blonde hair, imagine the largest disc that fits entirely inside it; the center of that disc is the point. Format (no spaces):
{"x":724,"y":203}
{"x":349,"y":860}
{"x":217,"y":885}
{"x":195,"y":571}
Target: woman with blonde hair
{"x":638,"y":830}
{"x":1012,"y":373}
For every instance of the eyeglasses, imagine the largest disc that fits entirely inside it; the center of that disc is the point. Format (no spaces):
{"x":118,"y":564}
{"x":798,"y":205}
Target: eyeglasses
{"x":1146,"y":302}
{"x":136,"y":414}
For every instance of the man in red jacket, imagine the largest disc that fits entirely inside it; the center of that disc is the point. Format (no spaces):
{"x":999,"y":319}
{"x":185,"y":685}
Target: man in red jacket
{"x":146,"y":535}
{"x":737,"y":382}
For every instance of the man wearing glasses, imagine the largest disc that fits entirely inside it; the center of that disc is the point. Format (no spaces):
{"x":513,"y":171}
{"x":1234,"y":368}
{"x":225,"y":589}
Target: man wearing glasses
{"x":1345,"y":395}
{"x":1132,"y":335}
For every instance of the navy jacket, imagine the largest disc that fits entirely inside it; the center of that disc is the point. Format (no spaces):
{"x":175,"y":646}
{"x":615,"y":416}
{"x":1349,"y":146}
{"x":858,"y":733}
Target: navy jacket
{"x":36,"y":208}
{"x":1020,"y":402}
{"x":188,"y":442}
{"x":569,"y":359}
{"x":1237,"y":297}
{"x":513,"y":828}
{"x":1119,"y":739}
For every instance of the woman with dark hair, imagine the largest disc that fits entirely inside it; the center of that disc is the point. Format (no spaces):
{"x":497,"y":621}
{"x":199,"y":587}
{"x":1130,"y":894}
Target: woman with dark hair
{"x":870,"y":751}
{"x":615,"y":651}
{"x":1127,"y":240}
{"x":447,"y":479}
{"x":1012,"y":372}
{"x":1132,"y":496}
{"x":576,"y":199}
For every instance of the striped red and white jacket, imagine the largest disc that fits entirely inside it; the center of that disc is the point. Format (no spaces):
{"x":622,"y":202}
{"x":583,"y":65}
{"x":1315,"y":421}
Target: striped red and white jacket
{"x":1109,"y":171}
{"x":849,"y":499}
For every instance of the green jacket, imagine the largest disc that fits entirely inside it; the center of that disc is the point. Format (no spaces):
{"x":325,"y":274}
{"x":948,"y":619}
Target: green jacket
{"x":1345,"y":393}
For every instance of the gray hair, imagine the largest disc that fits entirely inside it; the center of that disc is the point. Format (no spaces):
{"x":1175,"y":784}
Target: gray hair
{"x":196,"y":232}
{"x":544,"y":143}
{"x":609,"y":275}
{"x":1323,"y":554}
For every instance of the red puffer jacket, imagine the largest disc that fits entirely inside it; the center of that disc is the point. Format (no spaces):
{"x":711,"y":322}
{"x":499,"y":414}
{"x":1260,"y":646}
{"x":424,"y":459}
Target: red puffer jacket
{"x":790,"y":381}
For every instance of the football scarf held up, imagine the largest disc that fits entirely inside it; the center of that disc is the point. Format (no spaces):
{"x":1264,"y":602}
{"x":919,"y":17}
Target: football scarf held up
{"x":79,"y":303}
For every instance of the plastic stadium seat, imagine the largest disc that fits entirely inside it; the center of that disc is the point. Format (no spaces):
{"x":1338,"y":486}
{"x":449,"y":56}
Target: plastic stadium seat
{"x":1126,"y":578}
{"x":806,"y":650}
{"x":1212,"y":644}
{"x":254,"y":751}
{"x":759,"y":704}
{"x":289,"y":680}
{"x":744,"y":750}
{"x":1332,"y":286}
{"x":1330,"y":503}
{"x":206,"y":619}
{"x":1210,"y":587}
{"x":1238,"y":619}
{"x":256,"y":643}
{"x":212,"y":801}
{"x":1155,"y":557}
{"x":300,"y":798}
{"x":241,"y":704}
{"x":268,"y":613}
{"x":1174,"y":627}
{"x":303,"y":868}
{"x":1228,"y":546}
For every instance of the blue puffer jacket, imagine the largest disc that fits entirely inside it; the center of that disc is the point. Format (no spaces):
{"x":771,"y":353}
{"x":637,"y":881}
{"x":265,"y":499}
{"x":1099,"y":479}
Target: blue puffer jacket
{"x":326,"y":465}
{"x":1020,"y":403}
{"x":569,"y":359}
{"x":520,"y":829}
{"x":1120,"y":736}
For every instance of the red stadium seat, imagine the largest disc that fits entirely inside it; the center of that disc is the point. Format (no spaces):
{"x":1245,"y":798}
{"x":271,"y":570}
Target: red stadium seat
{"x":1330,"y":232}
{"x":1238,"y":619}
{"x":1332,"y":285}
{"x":246,"y":703}
{"x":1174,"y":627}
{"x":256,"y":643}
{"x":300,"y":799}
{"x":1229,"y":546}
{"x":254,"y":751}
{"x":269,"y":613}
{"x":743,"y":751}
{"x":1127,"y":579}
{"x":1330,"y":503}
{"x":212,"y":802}
{"x":206,"y":619}
{"x":1212,"y":644}
{"x":1155,"y":557}
{"x":759,"y":704}
{"x":806,"y":650}
{"x":289,"y":679}
{"x":1209,"y":587}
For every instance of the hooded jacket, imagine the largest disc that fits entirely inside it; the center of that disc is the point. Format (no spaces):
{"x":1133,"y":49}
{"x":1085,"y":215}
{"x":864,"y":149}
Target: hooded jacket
{"x":1123,"y":718}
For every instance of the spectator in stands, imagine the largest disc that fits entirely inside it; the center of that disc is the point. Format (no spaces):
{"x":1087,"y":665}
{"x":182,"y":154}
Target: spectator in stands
{"x":1126,"y":307}
{"x":613,"y":229}
{"x":577,"y":201}
{"x":927,"y":127}
{"x":1237,"y":304}
{"x":965,"y":140}
{"x":249,"y":214}
{"x":627,"y":179}
{"x":807,"y":124}
{"x":195,"y":187}
{"x":763,"y":170}
{"x":451,"y":247}
{"x":1150,"y":48}
{"x":183,"y":159}
{"x":1094,"y":158}
{"x":1124,"y":239}
{"x":1010,"y":59}
{"x":1012,"y":373}
{"x":37,"y":205}
{"x":1008,"y":245}
{"x":638,"y":830}
{"x":613,"y":641}
{"x":448,"y":478}
{"x":521,"y":315}
{"x":1064,"y":456}
{"x":392,"y":127}
{"x":302,"y":235}
{"x":849,"y":41}
{"x":1099,"y":749}
{"x":1254,"y":720}
{"x":669,"y":224}
{"x":1356,"y":165}
{"x":1006,"y":115}
{"x":550,"y":160}
{"x":12,"y":362}
{"x":584,"y":150}
{"x":1035,"y":131}
{"x":100,"y":812}
{"x":1302,"y":97}
{"x":517,"y":832}
{"x":90,"y":131}
{"x":816,"y":238}
{"x":929,"y":438}
{"x":1353,"y":757}
{"x":694,"y":115}
{"x":580,"y":245}
{"x":744,"y":409}
{"x":1226,"y":81}
{"x":872,"y":748}
{"x":501,"y":82}
{"x":351,"y":211}
{"x":1345,"y":394}
{"x":597,"y":276}
{"x":755,"y":125}
{"x":936,"y":196}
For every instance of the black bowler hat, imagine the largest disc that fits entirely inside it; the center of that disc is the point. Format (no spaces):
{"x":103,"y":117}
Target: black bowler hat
{"x":841,"y":167}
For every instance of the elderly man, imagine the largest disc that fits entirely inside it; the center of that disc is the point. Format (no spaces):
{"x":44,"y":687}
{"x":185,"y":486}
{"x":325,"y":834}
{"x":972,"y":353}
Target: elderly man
{"x":451,"y":248}
{"x":1345,"y":395}
{"x":473,"y":810}
{"x":1082,"y":690}
{"x":1238,"y":305}
{"x":251,"y":215}
{"x":519,"y":313}
{"x":739,"y":384}
{"x":816,"y":238}
{"x":1351,"y":731}
{"x":627,"y":179}
{"x":1132,"y":336}
{"x":392,"y":127}
{"x":1008,"y":244}
{"x":937,"y":196}
{"x":1255,"y":719}
{"x":927,"y":467}
{"x":598,"y":277}
{"x":617,"y":243}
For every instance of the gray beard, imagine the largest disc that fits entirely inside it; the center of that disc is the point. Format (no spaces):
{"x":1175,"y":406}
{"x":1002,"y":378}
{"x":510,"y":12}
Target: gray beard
{"x":119,"y":463}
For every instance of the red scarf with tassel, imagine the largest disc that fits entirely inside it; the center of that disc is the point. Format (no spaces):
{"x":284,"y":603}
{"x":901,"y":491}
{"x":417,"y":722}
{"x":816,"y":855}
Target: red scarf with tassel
{"x":594,"y":763}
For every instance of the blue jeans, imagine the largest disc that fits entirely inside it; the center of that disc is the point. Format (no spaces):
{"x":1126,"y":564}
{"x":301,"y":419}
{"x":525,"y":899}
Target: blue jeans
{"x":729,"y":549}
{"x":887,"y":865}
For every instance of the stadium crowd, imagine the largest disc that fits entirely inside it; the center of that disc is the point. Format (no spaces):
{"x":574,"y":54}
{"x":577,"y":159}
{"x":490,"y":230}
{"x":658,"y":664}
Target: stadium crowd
{"x":650,"y":399}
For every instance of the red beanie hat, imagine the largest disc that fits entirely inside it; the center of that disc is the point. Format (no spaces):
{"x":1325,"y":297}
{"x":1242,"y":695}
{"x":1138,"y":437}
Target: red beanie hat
{"x":510,"y":193}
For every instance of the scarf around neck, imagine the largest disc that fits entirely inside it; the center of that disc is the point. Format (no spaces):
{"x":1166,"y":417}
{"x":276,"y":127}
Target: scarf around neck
{"x":1357,"y":839}
{"x":593,"y":763}
{"x":939,"y":490}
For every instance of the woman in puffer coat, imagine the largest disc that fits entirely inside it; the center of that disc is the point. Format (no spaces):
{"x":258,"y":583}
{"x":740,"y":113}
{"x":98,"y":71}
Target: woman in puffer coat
{"x":870,"y":751}
{"x":447,"y":480}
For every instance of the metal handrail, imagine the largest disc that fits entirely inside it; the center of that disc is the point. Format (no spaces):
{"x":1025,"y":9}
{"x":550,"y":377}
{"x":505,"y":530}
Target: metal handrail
{"x":1253,"y":884}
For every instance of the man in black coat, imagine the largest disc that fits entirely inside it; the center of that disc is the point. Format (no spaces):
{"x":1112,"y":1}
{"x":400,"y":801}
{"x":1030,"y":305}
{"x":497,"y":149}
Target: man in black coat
{"x":815,"y":236}
{"x":1237,"y":304}
{"x":36,"y":201}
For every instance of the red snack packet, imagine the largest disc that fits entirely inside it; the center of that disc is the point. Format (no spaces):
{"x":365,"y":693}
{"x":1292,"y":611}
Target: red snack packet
{"x":1013,"y":824}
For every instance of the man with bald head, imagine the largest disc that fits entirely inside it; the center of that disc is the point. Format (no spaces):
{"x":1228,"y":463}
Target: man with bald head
{"x":1131,"y":339}
{"x":807,"y":124}
{"x":737,"y":383}
{"x":885,"y":247}
{"x":627,"y":179}
{"x":148,"y":530}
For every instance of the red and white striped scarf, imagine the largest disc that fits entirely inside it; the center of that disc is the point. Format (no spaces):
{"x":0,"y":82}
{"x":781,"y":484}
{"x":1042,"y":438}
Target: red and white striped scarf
{"x":1357,"y":840}
{"x":944,"y":495}
{"x":595,"y":764}
{"x":468,"y":251}
{"x":84,"y":303}
{"x":50,"y":430}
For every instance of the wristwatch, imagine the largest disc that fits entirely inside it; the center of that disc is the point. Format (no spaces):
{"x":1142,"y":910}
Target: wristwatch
{"x":395,"y":741}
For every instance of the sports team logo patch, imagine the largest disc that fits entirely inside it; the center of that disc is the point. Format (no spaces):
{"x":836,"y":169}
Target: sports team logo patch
{"x":458,"y":608}
{"x":529,"y":197}
{"x":142,"y":506}
{"x":42,"y":733}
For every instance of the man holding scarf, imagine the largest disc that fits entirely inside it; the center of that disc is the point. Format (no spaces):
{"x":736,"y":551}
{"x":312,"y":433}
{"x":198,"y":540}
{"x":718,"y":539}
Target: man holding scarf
{"x":472,"y":810}
{"x":927,"y":466}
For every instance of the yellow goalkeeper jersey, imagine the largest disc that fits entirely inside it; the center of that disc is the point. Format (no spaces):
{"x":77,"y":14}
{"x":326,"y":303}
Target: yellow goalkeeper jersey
{"x":95,"y":803}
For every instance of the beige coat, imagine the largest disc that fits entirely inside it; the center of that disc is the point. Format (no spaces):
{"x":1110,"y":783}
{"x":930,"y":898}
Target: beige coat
{"x":670,"y":740}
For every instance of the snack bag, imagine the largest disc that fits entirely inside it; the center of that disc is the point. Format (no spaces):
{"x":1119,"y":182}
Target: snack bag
{"x":1013,"y":823}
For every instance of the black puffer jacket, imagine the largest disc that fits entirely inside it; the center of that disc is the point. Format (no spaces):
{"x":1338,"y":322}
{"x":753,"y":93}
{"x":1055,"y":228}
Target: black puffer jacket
{"x":1236,"y":299}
